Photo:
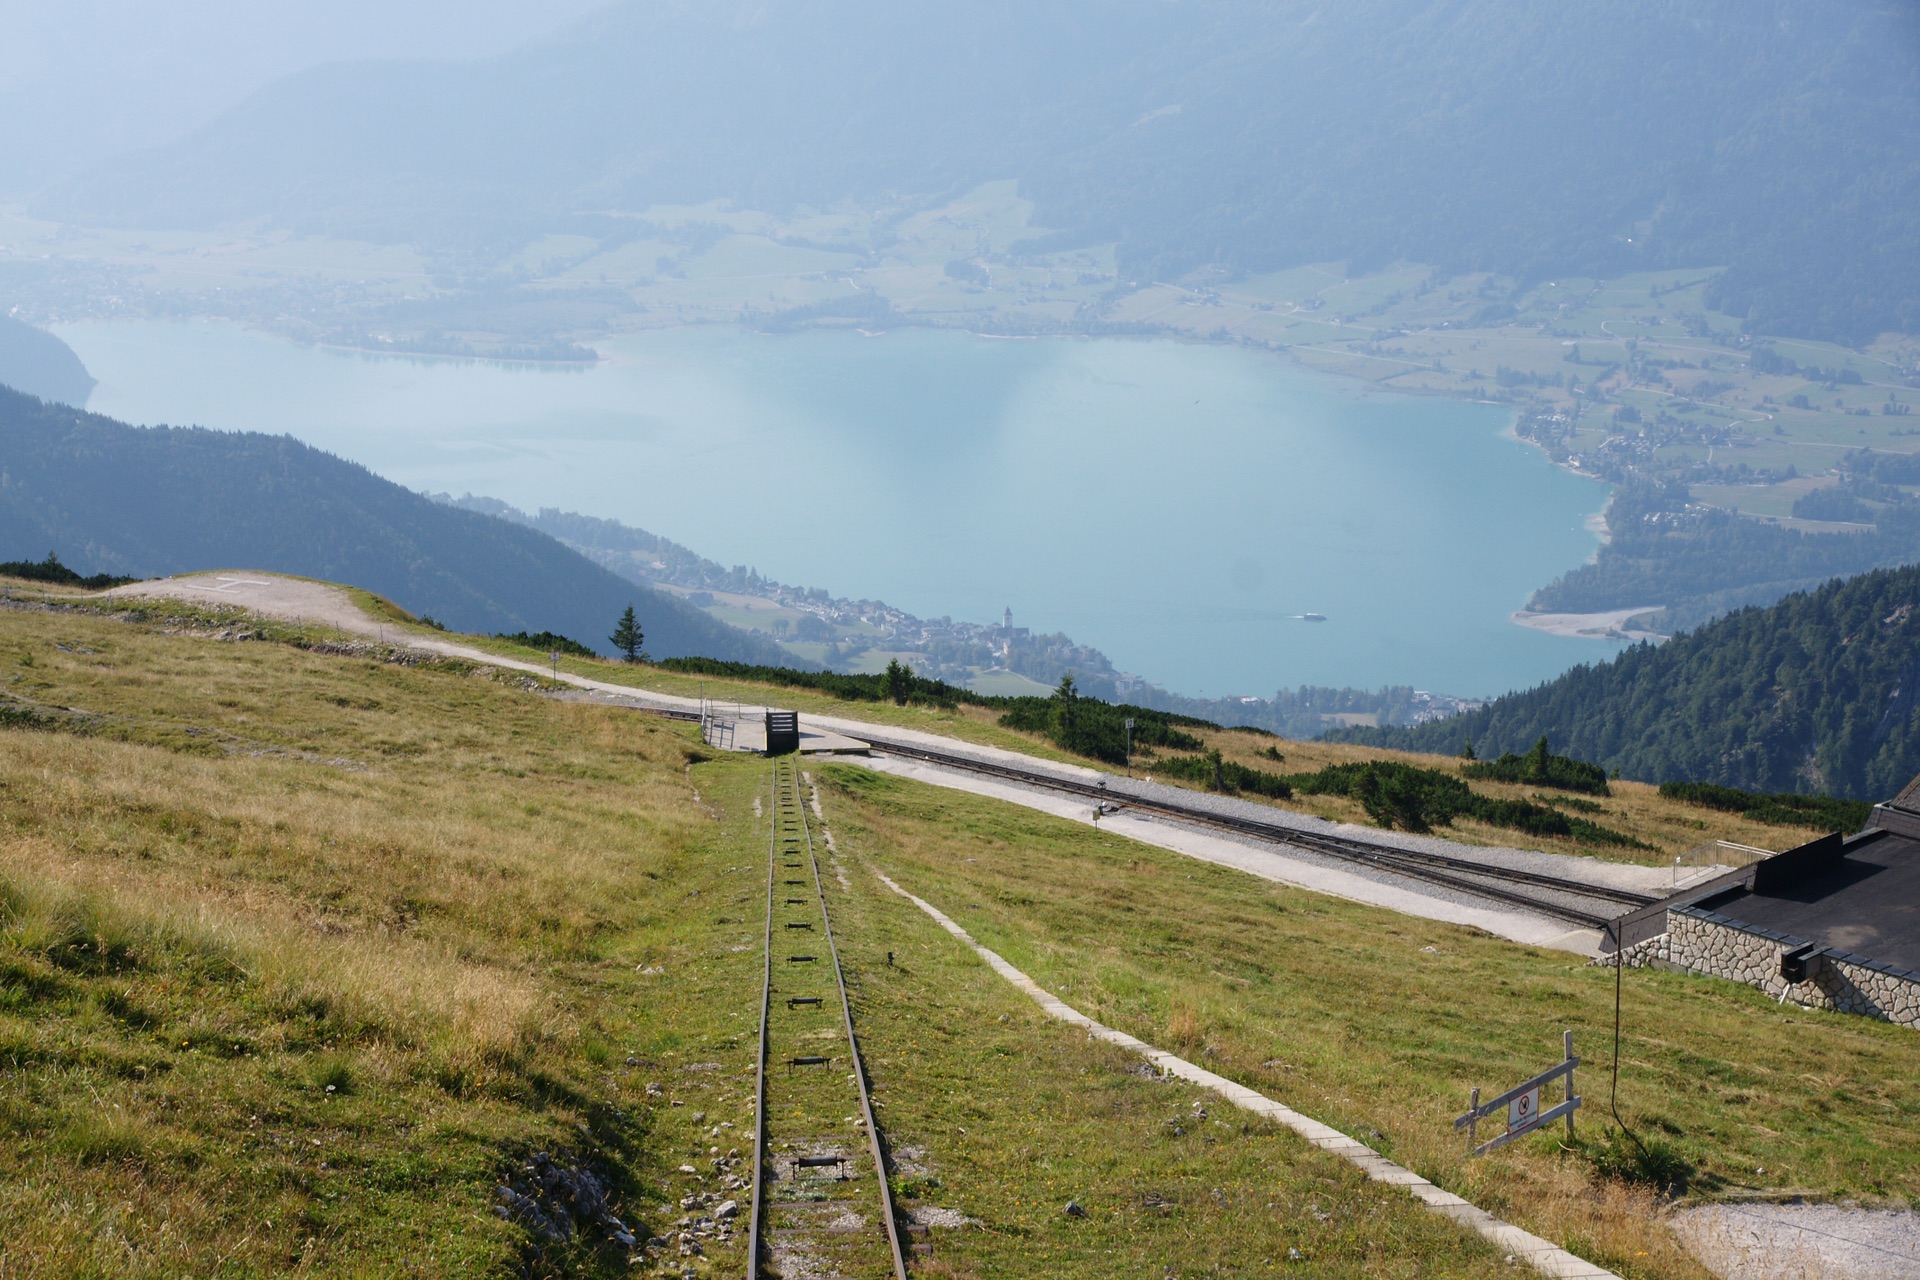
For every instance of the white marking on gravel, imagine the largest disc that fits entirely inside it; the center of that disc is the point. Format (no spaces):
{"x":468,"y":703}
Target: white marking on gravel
{"x":1543,"y":1256}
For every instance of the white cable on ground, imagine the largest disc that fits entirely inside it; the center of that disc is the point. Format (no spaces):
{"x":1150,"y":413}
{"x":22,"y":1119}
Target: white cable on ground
{"x":1543,"y":1256}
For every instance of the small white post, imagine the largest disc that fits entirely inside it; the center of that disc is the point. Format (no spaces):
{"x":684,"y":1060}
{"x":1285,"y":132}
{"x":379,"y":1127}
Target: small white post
{"x":1568,"y":1043}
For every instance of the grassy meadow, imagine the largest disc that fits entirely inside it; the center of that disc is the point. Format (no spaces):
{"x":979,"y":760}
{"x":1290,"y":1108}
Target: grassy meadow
{"x":301,"y":953}
{"x":1380,"y":1024}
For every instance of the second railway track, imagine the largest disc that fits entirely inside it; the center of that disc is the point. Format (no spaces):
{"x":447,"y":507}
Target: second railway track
{"x":1579,"y":902}
{"x":822,"y":1206}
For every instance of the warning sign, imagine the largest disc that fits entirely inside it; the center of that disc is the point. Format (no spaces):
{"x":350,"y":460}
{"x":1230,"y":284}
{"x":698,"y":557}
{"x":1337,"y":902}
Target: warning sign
{"x":1523,"y":1104}
{"x":1523,"y":1112}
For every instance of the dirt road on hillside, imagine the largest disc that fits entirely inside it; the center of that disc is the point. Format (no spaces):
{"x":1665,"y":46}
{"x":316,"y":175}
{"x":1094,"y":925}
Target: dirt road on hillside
{"x":267,"y":594}
{"x":273,"y":595}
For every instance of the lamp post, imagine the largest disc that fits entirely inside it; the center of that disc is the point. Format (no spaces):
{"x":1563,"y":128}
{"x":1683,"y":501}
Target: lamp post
{"x":1129,"y":746}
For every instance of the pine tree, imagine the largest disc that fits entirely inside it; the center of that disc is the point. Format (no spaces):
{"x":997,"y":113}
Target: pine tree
{"x":1066,"y":713}
{"x":627,"y":636}
{"x":899,"y":682}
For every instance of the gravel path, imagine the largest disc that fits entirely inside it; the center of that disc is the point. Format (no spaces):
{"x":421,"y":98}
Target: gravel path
{"x":268,"y":594}
{"x":1280,"y":864}
{"x":1617,"y":875}
{"x":1802,"y":1241}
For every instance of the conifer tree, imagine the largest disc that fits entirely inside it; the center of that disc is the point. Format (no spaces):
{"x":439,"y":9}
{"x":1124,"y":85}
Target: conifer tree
{"x":899,"y":682}
{"x":627,"y":636}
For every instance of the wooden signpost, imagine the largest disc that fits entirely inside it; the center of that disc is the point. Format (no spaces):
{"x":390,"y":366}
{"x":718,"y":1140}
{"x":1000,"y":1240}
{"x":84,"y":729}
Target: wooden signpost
{"x":1522,"y":1105}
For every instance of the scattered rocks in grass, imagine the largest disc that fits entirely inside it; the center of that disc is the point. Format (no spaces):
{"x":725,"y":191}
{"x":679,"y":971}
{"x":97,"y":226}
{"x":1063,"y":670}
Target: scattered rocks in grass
{"x":556,"y":1201}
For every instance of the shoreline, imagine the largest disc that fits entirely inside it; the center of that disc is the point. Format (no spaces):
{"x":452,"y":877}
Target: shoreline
{"x":1588,"y":626}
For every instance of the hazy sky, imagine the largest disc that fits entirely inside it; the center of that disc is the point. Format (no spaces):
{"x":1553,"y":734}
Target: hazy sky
{"x":81,"y":79}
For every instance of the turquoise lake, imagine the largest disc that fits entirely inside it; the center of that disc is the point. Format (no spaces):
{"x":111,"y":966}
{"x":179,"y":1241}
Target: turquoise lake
{"x":1173,"y":504}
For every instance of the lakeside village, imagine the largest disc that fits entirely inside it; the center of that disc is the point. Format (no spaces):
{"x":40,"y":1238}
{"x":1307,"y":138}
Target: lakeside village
{"x":861,"y":635}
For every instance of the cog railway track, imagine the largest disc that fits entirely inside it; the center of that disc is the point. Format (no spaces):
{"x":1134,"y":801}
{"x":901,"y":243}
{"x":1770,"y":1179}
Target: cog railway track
{"x":820,"y":1177}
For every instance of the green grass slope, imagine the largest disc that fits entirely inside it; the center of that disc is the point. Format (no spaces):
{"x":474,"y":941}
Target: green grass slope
{"x":1815,"y":693}
{"x":302,"y":954}
{"x":150,"y":501}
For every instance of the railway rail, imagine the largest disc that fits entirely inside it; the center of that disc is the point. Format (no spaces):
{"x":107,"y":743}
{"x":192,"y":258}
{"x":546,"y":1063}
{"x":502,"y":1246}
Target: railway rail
{"x":1589,"y":905}
{"x":813,"y":1188}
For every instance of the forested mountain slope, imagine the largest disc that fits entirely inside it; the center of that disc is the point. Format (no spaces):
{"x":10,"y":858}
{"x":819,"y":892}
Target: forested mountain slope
{"x":1815,"y":693}
{"x":149,"y":501}
{"x":1777,"y":138}
{"x":1698,"y":562}
{"x":38,"y":363}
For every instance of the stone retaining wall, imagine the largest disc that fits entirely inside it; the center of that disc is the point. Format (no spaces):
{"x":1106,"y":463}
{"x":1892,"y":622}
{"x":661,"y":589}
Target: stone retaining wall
{"x":1701,"y":942}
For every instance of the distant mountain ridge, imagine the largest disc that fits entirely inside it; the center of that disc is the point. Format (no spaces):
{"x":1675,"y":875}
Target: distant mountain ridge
{"x":40,"y":364}
{"x":150,"y":501}
{"x":1817,"y":693}
{"x":1779,"y":139}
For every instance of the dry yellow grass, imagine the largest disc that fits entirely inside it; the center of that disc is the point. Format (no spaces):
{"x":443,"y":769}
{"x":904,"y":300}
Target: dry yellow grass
{"x":1635,"y":808}
{"x":244,"y":873}
{"x":236,"y":873}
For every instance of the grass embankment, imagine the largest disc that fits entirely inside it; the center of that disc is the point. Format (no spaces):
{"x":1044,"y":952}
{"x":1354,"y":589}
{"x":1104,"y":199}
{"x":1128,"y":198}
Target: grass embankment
{"x":968,"y":723}
{"x":302,"y":952}
{"x":299,"y":954}
{"x":1380,"y":1024}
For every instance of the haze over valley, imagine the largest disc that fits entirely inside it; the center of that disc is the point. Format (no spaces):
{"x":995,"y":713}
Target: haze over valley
{"x":843,"y":639}
{"x":280,"y":213}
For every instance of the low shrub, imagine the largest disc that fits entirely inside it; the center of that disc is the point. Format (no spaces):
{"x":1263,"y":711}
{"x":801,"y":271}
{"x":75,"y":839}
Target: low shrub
{"x":1541,"y":768}
{"x":1781,"y":809}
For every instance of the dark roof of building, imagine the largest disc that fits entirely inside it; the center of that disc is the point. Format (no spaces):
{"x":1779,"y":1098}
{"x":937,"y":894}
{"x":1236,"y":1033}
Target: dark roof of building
{"x":1860,"y":896}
